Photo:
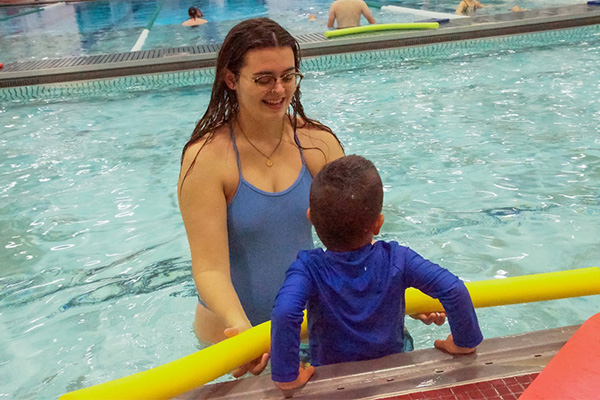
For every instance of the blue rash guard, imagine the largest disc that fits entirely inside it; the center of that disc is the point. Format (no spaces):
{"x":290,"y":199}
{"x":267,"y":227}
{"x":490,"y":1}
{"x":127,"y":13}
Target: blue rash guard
{"x":265,"y":230}
{"x":356,"y":305}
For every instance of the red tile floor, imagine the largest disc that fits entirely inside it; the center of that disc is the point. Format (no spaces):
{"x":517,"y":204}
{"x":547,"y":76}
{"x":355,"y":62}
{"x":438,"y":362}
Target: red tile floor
{"x":495,"y":389}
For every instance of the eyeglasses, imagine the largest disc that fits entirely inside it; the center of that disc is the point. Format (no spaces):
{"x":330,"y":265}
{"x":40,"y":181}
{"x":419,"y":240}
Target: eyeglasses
{"x":267,"y":82}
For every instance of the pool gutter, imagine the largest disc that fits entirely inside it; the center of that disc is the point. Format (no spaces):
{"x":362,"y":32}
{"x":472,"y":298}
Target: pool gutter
{"x":405,"y":373}
{"x":204,"y":56}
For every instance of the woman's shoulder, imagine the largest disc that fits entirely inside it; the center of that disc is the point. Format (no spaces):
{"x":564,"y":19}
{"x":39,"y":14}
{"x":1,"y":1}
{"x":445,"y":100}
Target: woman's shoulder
{"x":320,"y":146}
{"x":213,"y":142}
{"x":315,"y":135}
{"x":209,"y":151}
{"x":209,"y":165}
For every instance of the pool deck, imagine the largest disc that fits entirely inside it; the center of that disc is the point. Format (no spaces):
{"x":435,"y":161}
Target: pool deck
{"x":502,"y":368}
{"x":204,"y":56}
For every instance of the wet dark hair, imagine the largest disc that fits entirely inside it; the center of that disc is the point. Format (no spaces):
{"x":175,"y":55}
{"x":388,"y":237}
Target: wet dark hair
{"x":257,"y":33}
{"x":194,"y":12}
{"x":346,"y":198}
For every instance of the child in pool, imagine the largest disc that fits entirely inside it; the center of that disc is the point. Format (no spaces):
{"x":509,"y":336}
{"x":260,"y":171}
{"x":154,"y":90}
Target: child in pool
{"x":355,"y":289}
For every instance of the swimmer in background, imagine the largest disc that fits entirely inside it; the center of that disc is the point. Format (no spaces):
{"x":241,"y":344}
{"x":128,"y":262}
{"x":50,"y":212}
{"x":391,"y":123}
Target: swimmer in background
{"x":348,"y":13}
{"x":312,"y":17}
{"x":468,"y":7}
{"x":195,"y":17}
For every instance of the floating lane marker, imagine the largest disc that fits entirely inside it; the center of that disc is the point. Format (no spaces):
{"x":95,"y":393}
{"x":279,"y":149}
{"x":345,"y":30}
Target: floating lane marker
{"x":22,"y":14}
{"x":381,"y":27}
{"x":35,"y":10}
{"x":144,"y":35}
{"x":141,"y":40}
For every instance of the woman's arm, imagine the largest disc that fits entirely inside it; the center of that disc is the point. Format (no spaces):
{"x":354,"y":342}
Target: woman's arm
{"x":203,"y":207}
{"x":461,"y":8}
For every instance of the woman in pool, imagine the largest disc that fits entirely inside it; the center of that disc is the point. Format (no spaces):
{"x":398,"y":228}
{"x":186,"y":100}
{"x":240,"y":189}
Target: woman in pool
{"x":245,"y":178}
{"x":195,"y":17}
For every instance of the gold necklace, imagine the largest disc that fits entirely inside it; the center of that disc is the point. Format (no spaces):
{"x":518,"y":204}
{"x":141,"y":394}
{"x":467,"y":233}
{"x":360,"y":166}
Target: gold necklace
{"x":269,"y":163}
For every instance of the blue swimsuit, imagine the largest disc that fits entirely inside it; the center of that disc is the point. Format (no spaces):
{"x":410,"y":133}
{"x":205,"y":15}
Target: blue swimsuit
{"x":266,"y":230}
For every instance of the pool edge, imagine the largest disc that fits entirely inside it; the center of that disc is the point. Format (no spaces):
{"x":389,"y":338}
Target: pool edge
{"x":113,"y":65}
{"x":413,"y":372}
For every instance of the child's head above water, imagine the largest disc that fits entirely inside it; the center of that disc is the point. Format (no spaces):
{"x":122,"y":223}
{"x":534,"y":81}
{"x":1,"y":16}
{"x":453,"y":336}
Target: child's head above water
{"x":345,"y":203}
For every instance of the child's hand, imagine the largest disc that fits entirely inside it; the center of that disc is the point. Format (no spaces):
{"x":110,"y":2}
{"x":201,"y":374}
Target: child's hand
{"x":437,"y":318}
{"x":255,"y":367}
{"x":304,"y":374}
{"x":449,"y":346}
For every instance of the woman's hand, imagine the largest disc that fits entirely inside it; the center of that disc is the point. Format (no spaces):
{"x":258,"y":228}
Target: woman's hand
{"x":437,"y":318}
{"x":304,"y":374}
{"x":256,"y":366}
{"x":449,"y":346}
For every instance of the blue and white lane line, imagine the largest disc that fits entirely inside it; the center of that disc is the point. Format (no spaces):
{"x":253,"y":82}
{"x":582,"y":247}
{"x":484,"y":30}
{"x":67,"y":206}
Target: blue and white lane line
{"x":144,"y":35}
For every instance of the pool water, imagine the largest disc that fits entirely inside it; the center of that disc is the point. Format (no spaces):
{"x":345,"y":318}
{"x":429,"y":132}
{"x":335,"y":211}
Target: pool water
{"x":112,"y":26}
{"x":490,"y":161}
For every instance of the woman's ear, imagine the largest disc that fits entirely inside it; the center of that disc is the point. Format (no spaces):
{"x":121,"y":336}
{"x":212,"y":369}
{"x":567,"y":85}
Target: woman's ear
{"x":230,"y":80}
{"x":308,"y":215}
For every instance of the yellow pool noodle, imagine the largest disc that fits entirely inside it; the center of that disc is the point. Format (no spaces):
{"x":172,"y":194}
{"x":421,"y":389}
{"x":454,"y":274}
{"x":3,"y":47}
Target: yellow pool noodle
{"x":381,"y":27}
{"x":518,"y":289}
{"x":190,"y":372}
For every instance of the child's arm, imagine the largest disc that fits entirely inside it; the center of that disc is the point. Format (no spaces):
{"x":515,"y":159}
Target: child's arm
{"x":439,"y":283}
{"x":285,"y":329}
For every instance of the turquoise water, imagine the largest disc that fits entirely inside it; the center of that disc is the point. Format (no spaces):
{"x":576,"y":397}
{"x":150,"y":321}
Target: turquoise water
{"x":112,"y":26}
{"x":489,"y":151}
